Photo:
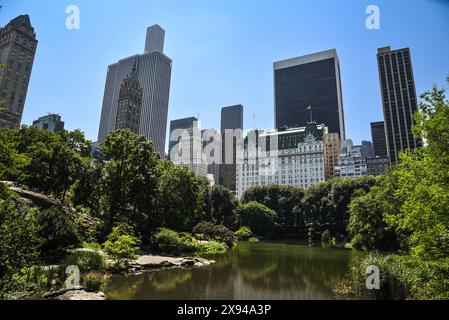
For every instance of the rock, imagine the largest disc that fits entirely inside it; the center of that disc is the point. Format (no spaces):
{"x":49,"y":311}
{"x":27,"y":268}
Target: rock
{"x":53,"y":294}
{"x":81,"y":295}
{"x":153,"y":261}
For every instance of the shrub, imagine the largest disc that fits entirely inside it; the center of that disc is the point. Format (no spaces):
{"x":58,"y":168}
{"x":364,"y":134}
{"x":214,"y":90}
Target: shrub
{"x":93,"y":280}
{"x":253,"y":240}
{"x":215,"y":232}
{"x":257,"y":217}
{"x":92,"y":245}
{"x":170,"y":242}
{"x":211,"y":247}
{"x":84,"y":260}
{"x":121,"y":244}
{"x":243,"y":233}
{"x":58,"y":229}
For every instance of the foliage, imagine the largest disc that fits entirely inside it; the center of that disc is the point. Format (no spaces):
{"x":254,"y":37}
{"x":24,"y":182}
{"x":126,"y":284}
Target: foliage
{"x":215,"y":232}
{"x":92,"y":246}
{"x":93,"y":280}
{"x":19,"y":236}
{"x":59,"y":230}
{"x":244,"y":233}
{"x":253,"y":240}
{"x":84,"y":260}
{"x":223,"y":206}
{"x":257,"y":217}
{"x":170,"y":242}
{"x":180,"y":197}
{"x":121,"y":244}
{"x":282,"y":199}
{"x":129,"y":179}
{"x":325,"y":205}
{"x":211,"y":247}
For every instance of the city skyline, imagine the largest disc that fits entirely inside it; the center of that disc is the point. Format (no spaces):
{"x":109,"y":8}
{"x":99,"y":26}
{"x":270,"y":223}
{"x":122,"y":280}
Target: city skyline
{"x":362,"y":102}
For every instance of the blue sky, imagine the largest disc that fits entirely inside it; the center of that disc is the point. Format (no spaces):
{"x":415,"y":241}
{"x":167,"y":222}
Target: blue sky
{"x":223,"y":52}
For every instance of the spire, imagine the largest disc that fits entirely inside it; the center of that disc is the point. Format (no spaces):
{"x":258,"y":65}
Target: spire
{"x":22,"y":20}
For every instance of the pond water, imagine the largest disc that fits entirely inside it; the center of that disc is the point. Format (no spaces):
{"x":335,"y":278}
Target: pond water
{"x":263,"y":270}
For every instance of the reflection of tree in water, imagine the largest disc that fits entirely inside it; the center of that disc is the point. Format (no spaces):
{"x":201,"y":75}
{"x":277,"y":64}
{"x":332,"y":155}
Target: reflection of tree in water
{"x":121,"y":287}
{"x":251,"y":271}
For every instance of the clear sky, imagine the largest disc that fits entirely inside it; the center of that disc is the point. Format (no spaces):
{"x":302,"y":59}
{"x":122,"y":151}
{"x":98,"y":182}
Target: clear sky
{"x":223,"y":52}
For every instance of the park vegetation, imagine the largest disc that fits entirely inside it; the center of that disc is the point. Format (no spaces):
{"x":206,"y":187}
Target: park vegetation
{"x":129,"y":199}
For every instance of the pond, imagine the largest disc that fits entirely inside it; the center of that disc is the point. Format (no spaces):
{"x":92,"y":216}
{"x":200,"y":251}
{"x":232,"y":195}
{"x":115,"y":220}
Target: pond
{"x":263,"y":270}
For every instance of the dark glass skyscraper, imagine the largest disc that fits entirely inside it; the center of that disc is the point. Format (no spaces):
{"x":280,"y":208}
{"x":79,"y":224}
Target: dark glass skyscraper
{"x":231,"y":119}
{"x":378,"y":137}
{"x":399,"y":100}
{"x":312,"y":80}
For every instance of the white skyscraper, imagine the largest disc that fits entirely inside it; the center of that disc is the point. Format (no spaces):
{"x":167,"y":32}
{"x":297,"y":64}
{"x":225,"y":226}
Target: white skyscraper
{"x":154,"y":76}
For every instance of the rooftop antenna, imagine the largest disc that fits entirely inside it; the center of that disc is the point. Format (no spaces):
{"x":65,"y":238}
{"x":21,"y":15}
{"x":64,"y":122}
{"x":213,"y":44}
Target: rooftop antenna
{"x":254,"y":118}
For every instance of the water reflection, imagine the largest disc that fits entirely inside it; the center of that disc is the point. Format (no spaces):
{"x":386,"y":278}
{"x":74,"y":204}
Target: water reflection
{"x":250,"y":271}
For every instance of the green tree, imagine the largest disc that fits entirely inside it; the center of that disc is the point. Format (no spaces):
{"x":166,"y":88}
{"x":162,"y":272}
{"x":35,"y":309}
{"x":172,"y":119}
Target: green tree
{"x":129,"y":179}
{"x":259,"y":218}
{"x":59,"y":229}
{"x":285,"y":200}
{"x":180,"y":198}
{"x":223,"y":206}
{"x":19,"y":238}
{"x":121,"y":244}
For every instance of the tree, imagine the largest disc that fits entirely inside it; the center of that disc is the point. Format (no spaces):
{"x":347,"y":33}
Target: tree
{"x":121,"y":244}
{"x":282,"y":199}
{"x":423,"y":181}
{"x":19,"y":239}
{"x":180,"y":198}
{"x":129,"y":179}
{"x":259,"y":218}
{"x":59,"y":229}
{"x":223,"y":206}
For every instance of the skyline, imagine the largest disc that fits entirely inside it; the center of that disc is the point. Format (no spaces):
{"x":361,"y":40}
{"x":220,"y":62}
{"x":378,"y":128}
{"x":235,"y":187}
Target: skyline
{"x":244,"y":74}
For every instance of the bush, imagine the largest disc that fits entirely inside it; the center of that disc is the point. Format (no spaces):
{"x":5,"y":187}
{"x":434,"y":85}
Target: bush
{"x":211,"y":247}
{"x":121,"y":244}
{"x":243,"y":233}
{"x":84,"y":260}
{"x":92,"y":281}
{"x":257,"y":217}
{"x":215,"y":232}
{"x":170,"y":242}
{"x":58,"y":229}
{"x":253,"y":240}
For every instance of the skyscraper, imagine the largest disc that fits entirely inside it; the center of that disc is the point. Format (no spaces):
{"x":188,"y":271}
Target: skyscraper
{"x":231,"y":119}
{"x":154,"y":76}
{"x":399,"y":100}
{"x":50,"y":122}
{"x":130,"y":102}
{"x":185,"y":145}
{"x":309,"y":81}
{"x":17,"y":49}
{"x":378,"y":137}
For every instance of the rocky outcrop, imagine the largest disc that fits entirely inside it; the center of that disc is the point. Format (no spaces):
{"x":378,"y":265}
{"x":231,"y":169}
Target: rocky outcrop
{"x":81,"y":295}
{"x":153,"y":262}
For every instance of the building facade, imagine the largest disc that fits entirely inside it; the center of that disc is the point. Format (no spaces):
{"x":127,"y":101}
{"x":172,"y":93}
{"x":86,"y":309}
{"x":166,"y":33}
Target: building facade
{"x":332,"y":147}
{"x":377,"y":166}
{"x":185,"y":145}
{"x":130,"y":102}
{"x":351,"y":163}
{"x":231,"y":119}
{"x":399,"y":100}
{"x":17,"y":50}
{"x":378,"y":137}
{"x":283,"y":157}
{"x":154,"y":76}
{"x":50,"y":122}
{"x":367,"y":150}
{"x":309,"y":81}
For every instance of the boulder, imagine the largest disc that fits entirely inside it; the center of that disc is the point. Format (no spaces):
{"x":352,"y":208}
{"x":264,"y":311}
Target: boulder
{"x":81,"y":295}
